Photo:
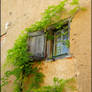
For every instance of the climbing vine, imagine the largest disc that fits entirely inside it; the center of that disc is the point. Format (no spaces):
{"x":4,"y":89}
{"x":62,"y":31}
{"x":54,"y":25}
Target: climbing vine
{"x":59,"y":85}
{"x":19,"y":56}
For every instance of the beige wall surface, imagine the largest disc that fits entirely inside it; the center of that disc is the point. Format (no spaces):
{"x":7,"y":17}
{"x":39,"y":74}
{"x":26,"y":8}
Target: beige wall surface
{"x":61,"y":68}
{"x":22,"y":13}
{"x":81,"y":47}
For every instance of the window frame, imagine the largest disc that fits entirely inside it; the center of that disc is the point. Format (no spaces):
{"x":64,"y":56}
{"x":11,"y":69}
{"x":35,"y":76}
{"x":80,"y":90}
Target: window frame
{"x":48,"y":52}
{"x":62,"y":55}
{"x":54,"y":47}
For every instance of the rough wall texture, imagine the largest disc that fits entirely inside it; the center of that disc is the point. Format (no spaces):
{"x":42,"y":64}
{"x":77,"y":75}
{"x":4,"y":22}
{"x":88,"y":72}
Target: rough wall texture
{"x":22,"y":13}
{"x":81,"y":47}
{"x":61,"y":68}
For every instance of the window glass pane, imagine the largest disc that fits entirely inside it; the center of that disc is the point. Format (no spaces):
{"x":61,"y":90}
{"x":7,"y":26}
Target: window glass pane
{"x":65,"y":49}
{"x":60,"y":43}
{"x":58,"y":46}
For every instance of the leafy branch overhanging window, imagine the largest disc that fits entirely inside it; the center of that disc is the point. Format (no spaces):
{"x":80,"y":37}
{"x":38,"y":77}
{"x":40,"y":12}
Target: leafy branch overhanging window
{"x":53,"y":43}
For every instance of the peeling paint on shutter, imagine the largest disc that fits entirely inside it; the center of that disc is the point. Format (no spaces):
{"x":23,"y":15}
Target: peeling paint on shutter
{"x":39,"y":48}
{"x":37,"y":44}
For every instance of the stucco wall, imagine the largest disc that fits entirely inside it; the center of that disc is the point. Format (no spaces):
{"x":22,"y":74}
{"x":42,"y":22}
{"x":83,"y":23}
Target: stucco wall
{"x":61,"y":68}
{"x":81,"y":47}
{"x":22,"y":13}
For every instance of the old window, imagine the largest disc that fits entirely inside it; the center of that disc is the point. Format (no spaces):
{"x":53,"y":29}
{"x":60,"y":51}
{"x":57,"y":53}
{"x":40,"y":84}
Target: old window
{"x":59,"y":44}
{"x":50,"y":46}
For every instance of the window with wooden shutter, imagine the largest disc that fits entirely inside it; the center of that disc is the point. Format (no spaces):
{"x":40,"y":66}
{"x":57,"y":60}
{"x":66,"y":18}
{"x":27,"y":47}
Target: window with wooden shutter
{"x":37,"y":44}
{"x":49,"y":45}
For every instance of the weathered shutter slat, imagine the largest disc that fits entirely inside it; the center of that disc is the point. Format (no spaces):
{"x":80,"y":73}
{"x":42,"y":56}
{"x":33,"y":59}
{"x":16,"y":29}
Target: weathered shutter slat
{"x":50,"y":45}
{"x":32,"y":44}
{"x":48,"y":49}
{"x":37,"y":44}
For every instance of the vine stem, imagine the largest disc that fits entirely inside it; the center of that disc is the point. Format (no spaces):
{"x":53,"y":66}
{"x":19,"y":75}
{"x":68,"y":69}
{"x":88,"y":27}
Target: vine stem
{"x":21,"y":84}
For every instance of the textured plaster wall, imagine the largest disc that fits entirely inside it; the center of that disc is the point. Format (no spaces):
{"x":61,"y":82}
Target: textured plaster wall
{"x":61,"y":68}
{"x":22,"y":13}
{"x":81,"y":47}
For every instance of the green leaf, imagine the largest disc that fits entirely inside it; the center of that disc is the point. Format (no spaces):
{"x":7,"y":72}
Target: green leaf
{"x":74,"y":2}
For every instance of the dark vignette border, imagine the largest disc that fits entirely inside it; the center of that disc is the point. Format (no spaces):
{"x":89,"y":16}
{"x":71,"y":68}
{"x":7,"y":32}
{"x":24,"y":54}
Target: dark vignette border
{"x":0,"y":46}
{"x":91,"y":45}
